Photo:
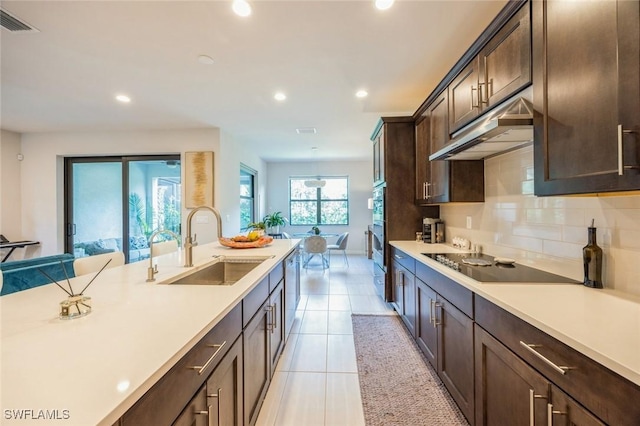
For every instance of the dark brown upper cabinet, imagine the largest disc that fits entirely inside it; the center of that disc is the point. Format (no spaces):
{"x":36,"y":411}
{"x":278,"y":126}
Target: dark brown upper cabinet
{"x":586,"y":81}
{"x":378,"y":158}
{"x":465,"y":96}
{"x":443,"y":181}
{"x":505,"y":62}
{"x":501,"y":69}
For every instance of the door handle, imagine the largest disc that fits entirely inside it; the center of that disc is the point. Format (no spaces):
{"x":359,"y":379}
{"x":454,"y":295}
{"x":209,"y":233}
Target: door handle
{"x":621,"y":166}
{"x":532,"y":407}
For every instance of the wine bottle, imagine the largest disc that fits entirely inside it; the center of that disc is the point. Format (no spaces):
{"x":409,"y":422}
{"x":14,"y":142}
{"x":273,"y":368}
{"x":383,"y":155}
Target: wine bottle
{"x":592,"y":259}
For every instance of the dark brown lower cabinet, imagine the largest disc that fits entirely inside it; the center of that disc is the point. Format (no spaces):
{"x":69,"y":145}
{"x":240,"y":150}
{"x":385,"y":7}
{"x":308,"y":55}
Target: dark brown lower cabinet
{"x":510,"y":392}
{"x":445,"y":335}
{"x":404,"y":295}
{"x":257,"y":362}
{"x":563,"y":410}
{"x":276,"y":325}
{"x":225,"y":390}
{"x":426,"y":332}
{"x":195,"y":413}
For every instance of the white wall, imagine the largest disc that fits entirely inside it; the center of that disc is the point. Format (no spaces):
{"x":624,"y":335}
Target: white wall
{"x":42,"y":174}
{"x":360,"y":188}
{"x":10,"y":199}
{"x":549,"y":232}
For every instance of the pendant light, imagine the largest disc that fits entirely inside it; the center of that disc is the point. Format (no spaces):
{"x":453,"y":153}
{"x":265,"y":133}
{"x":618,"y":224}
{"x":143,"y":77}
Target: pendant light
{"x":317,"y":182}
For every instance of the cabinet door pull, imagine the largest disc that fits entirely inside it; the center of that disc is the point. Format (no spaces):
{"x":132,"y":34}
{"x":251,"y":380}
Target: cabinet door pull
{"x":559,"y":368}
{"x":217,"y":396}
{"x":397,"y":256}
{"x":269,"y":309}
{"x":532,"y":407}
{"x":436,"y":305}
{"x":473,"y":89}
{"x":201,"y":368}
{"x":621,"y":166}
{"x":551,"y":412}
{"x":431,"y":302}
{"x":274,"y":319}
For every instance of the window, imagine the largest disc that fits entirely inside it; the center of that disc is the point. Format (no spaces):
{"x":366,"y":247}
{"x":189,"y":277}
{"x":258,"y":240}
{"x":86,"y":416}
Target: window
{"x":327,"y":205}
{"x":247,"y":196}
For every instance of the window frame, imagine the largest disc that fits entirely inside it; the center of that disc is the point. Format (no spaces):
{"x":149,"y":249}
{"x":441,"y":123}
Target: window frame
{"x":319,"y":201}
{"x":254,"y":175}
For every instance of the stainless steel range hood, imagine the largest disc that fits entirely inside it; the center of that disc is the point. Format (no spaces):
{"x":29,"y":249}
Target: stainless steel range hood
{"x":503,"y":129}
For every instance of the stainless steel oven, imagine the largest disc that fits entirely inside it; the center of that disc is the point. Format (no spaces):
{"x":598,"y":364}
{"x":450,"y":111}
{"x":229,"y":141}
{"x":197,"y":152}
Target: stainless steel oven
{"x":379,"y":243}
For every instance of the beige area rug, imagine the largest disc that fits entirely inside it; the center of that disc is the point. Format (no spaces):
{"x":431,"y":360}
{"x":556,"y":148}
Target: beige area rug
{"x":398,"y":385}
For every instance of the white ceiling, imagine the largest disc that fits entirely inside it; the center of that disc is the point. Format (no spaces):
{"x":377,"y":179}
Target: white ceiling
{"x":319,"y":53}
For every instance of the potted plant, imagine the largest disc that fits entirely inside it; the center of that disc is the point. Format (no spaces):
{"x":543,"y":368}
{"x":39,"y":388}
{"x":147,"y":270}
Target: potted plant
{"x":274,"y":221}
{"x":316,"y":230}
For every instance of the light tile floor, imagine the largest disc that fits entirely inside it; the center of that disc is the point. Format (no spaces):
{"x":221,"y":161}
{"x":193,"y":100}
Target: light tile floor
{"x":316,"y":379}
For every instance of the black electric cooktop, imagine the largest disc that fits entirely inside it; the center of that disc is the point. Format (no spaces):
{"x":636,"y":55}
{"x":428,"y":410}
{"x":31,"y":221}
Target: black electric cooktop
{"x":484,"y":268}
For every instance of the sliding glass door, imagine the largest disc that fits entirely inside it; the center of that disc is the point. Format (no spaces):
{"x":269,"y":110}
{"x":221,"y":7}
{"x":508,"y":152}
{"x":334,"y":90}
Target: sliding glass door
{"x":116,"y":203}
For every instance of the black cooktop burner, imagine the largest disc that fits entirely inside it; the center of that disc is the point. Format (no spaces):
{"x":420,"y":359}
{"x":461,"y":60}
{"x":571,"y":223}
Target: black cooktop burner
{"x":495,"y":272}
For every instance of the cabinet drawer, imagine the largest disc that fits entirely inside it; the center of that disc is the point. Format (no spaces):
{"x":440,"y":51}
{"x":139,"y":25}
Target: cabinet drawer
{"x":254,"y":300}
{"x":166,"y":399}
{"x":275,"y":276}
{"x":458,"y":295}
{"x":611,"y":397}
{"x":404,"y":259}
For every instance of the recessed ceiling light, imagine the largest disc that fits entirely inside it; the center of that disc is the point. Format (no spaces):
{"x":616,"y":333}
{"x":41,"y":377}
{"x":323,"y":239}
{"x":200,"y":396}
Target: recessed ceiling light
{"x":362,"y":94}
{"x":241,"y":7}
{"x":306,"y":130}
{"x":206,"y":60}
{"x":123,"y":98}
{"x":384,"y":4}
{"x":279,"y":96}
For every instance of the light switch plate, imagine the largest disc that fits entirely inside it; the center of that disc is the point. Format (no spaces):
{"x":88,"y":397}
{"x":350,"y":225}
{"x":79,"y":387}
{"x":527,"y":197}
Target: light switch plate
{"x":468,"y":222}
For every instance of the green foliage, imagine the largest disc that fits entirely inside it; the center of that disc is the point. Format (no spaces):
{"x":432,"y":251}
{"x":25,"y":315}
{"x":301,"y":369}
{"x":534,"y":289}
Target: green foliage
{"x":257,"y":225}
{"x":137,"y":210}
{"x":274,"y":219}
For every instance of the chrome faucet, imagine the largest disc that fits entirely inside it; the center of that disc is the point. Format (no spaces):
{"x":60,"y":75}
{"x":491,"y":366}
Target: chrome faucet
{"x":189,"y":242}
{"x":151,"y":270}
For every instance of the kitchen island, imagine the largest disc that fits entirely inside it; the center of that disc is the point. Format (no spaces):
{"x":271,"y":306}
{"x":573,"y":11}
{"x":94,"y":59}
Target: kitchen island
{"x":561,"y":342}
{"x":91,"y":370}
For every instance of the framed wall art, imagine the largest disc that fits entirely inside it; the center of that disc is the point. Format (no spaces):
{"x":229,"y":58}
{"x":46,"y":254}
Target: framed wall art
{"x":198,"y":179}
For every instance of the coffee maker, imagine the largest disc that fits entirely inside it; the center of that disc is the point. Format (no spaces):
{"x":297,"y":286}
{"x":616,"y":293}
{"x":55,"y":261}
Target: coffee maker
{"x":432,"y":230}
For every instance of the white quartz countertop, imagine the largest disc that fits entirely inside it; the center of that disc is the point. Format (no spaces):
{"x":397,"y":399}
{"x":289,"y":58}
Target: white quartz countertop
{"x":602,"y":324}
{"x":90,"y":370}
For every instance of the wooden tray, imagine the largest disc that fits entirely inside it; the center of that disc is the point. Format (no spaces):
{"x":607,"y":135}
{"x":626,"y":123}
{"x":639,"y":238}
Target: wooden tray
{"x":260,"y":242}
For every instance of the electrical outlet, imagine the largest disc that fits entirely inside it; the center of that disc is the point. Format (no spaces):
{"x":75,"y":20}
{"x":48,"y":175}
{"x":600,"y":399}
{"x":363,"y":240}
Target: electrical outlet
{"x":468,"y":222}
{"x":228,"y":218}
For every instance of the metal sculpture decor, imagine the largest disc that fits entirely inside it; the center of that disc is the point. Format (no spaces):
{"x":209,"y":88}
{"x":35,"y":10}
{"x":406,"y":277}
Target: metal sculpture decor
{"x":77,"y":305}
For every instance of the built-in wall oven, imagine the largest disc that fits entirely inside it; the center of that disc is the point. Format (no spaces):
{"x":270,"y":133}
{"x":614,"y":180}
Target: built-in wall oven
{"x":379,"y":243}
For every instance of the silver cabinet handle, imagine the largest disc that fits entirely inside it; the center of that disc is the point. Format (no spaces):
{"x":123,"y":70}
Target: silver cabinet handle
{"x":269,"y":309}
{"x":274,"y":319}
{"x":436,"y":305}
{"x":400,"y":277}
{"x":217,"y":396}
{"x":532,"y":406}
{"x":397,"y":256}
{"x":559,"y":368}
{"x":621,"y":166}
{"x":473,"y":89}
{"x":551,"y":412}
{"x":201,"y":368}
{"x":431,"y":302}
{"x":427,"y":195}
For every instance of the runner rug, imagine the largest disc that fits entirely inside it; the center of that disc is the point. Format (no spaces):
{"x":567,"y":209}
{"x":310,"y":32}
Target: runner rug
{"x":397,"y":383}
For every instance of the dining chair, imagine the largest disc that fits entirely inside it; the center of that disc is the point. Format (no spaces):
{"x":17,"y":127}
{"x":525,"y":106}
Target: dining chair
{"x":87,"y":265}
{"x":315,"y":245}
{"x":163,"y":247}
{"x":286,"y":236}
{"x":341,"y":244}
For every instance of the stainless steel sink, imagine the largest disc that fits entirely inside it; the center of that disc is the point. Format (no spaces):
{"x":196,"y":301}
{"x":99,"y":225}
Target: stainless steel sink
{"x":227,"y":271}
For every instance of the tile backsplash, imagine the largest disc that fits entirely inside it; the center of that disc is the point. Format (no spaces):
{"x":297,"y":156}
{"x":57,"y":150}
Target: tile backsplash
{"x":549,"y":232}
